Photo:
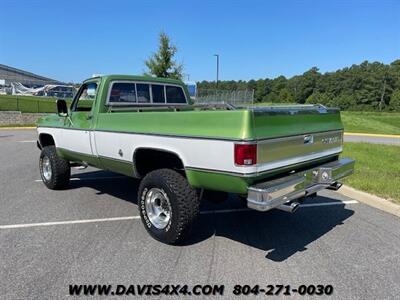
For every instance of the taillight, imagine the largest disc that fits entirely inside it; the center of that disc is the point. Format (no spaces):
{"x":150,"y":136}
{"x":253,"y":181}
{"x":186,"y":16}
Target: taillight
{"x":245,"y":154}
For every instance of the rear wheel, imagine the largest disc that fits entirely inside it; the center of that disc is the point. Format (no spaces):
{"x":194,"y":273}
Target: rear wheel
{"x":168,"y":205}
{"x":54,"y":170}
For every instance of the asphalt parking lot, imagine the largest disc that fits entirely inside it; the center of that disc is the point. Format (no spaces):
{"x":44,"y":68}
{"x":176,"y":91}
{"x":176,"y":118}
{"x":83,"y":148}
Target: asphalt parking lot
{"x":91,"y":234}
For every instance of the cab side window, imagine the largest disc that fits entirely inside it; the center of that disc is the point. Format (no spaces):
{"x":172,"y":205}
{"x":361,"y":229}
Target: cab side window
{"x":175,"y":94}
{"x":123,"y":92}
{"x":85,"y":97}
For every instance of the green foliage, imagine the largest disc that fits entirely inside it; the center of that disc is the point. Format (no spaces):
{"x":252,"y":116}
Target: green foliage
{"x":286,"y":96}
{"x":318,"y":97}
{"x":162,"y":63}
{"x":395,"y":101}
{"x":367,"y":86}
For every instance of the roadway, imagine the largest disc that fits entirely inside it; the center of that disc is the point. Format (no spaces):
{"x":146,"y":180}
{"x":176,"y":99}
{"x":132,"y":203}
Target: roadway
{"x":372,"y":138}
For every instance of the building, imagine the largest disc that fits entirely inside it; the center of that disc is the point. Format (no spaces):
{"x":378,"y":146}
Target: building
{"x":18,"y":82}
{"x":28,"y":79}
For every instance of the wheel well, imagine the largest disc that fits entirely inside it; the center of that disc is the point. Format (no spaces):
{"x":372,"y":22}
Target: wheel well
{"x":46,"y":140}
{"x":146,"y":160}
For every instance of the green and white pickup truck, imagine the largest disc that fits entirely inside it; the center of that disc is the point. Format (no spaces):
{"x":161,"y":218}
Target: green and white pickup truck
{"x":148,"y":128}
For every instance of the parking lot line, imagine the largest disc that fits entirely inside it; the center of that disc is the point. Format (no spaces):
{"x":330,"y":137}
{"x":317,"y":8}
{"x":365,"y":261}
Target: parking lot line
{"x":68,"y":222}
{"x":15,"y":226}
{"x":27,"y":141}
{"x":91,"y":178}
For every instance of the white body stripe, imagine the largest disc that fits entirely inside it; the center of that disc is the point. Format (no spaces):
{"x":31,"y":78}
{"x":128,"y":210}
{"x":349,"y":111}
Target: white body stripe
{"x":199,"y":153}
{"x":196,"y":153}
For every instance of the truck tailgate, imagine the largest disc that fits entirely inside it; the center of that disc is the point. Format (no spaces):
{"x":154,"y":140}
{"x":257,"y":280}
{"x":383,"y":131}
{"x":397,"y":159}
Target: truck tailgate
{"x":296,"y":134}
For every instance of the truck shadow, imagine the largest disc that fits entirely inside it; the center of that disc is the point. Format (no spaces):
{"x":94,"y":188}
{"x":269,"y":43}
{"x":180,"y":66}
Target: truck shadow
{"x":279,"y":233}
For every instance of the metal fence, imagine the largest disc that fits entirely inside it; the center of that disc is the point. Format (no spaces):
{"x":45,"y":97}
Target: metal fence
{"x":234,"y":97}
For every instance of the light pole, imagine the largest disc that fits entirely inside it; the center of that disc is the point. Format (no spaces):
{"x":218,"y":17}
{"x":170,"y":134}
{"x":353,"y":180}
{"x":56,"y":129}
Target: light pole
{"x":217,"y":56}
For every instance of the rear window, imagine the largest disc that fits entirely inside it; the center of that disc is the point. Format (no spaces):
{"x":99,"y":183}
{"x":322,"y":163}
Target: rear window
{"x":143,"y":93}
{"x":123,"y":92}
{"x":175,"y":94}
{"x":158,"y":93}
{"x":131,"y":92}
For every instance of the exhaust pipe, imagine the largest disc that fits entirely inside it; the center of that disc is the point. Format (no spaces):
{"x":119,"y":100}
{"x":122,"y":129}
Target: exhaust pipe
{"x":335,"y":186}
{"x":79,"y":166}
{"x":290,"y":207}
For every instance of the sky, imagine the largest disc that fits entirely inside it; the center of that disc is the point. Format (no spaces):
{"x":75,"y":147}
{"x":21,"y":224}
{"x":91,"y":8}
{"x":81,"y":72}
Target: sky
{"x":71,"y":40}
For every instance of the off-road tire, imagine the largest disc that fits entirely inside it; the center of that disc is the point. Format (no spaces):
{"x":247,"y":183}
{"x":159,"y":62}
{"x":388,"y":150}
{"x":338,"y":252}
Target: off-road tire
{"x":60,"y":169}
{"x":184,"y":205}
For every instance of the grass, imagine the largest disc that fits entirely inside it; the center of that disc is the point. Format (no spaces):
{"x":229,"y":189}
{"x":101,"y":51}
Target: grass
{"x":17,"y":125}
{"x":371,"y":122}
{"x":377,"y":169}
{"x":28,"y":104}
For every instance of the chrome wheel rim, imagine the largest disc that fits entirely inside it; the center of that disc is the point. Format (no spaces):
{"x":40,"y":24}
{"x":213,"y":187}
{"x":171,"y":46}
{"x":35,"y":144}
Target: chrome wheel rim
{"x":46,"y":168}
{"x":158,"y":208}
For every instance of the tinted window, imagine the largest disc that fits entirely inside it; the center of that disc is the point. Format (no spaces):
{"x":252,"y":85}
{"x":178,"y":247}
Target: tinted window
{"x":158,"y":93}
{"x":123,"y":92}
{"x":175,"y":94}
{"x":143,"y":93}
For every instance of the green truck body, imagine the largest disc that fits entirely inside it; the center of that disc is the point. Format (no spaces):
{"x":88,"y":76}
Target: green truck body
{"x":134,"y":125}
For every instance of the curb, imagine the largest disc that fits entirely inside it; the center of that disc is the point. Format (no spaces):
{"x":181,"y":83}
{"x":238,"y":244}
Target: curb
{"x":394,"y":136}
{"x":371,"y":200}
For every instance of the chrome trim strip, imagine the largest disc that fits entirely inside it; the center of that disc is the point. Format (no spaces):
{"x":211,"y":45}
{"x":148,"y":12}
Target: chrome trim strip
{"x":116,"y":159}
{"x":221,"y":172}
{"x":78,"y":153}
{"x":188,"y":136}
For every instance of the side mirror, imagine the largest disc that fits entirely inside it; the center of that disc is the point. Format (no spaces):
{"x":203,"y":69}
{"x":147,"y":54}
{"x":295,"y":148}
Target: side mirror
{"x":62,"y":108}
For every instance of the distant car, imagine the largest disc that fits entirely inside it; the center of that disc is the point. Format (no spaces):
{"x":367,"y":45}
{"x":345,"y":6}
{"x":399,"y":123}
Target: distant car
{"x":147,"y":128}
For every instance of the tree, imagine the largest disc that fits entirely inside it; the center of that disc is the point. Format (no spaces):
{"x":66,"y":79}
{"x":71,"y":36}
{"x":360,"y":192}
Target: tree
{"x":162,"y":63}
{"x":395,"y":101}
{"x":318,"y":98}
{"x":285,"y":96}
{"x":366,"y":86}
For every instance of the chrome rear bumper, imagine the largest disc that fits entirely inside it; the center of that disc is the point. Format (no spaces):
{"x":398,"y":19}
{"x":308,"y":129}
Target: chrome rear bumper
{"x":272,"y":194}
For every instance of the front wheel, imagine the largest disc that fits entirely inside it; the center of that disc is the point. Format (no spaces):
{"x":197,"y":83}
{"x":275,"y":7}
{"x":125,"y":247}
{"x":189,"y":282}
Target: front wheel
{"x":54,"y":170}
{"x":168,"y":205}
